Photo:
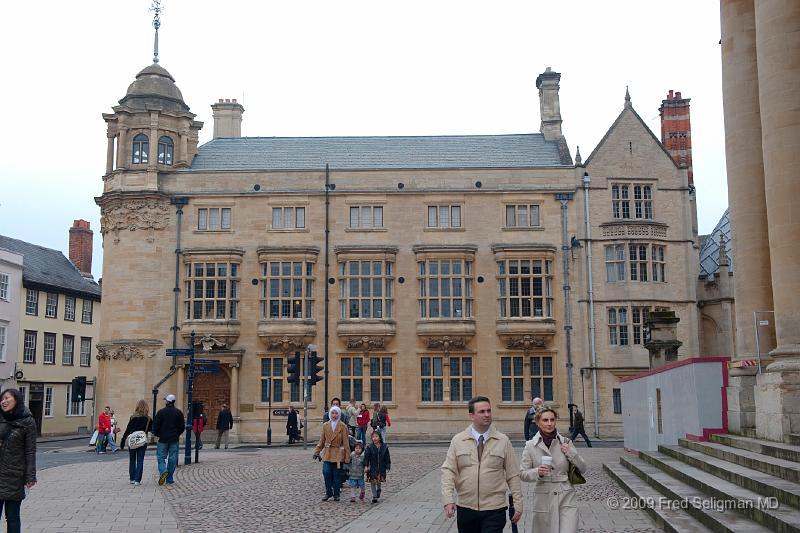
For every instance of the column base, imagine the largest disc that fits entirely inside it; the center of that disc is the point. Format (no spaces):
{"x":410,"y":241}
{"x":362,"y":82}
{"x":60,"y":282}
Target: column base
{"x":786,"y":358}
{"x":777,"y":396}
{"x":741,"y":400}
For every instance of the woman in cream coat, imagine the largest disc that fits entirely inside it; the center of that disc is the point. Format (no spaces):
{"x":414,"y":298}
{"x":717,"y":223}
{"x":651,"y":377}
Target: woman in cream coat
{"x":555,"y":505}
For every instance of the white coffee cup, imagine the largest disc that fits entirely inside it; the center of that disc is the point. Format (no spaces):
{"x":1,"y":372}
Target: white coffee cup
{"x":548,"y":462}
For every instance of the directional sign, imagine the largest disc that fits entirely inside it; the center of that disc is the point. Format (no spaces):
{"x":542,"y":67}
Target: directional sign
{"x":206,"y":361}
{"x":179,"y":351}
{"x":206,"y":369}
{"x":280,"y":412}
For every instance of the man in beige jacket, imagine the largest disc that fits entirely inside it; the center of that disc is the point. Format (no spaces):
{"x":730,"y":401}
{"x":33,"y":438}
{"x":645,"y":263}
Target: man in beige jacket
{"x":480,"y":468}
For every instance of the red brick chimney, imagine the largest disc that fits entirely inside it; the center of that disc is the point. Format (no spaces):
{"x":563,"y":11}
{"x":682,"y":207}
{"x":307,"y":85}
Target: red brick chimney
{"x":676,"y":130}
{"x":80,"y":246}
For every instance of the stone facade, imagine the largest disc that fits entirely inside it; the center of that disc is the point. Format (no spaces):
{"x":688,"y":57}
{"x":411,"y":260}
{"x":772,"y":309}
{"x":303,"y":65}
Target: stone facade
{"x":437,"y":247}
{"x":762,"y":135}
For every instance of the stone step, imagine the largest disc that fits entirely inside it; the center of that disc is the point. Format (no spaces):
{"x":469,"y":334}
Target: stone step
{"x":749,"y":432}
{"x":690,"y":499}
{"x":671,"y":519}
{"x":788,"y":470}
{"x":793,"y":439}
{"x":779,"y":450}
{"x":720,"y":492}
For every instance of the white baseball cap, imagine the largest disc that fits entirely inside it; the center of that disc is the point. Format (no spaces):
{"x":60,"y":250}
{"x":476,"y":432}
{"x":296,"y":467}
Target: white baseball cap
{"x":170,"y":397}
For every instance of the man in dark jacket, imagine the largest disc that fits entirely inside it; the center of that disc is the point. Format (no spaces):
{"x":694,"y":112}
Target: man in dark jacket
{"x":578,"y":429}
{"x":531,"y":429}
{"x":168,"y":426}
{"x":224,"y":425}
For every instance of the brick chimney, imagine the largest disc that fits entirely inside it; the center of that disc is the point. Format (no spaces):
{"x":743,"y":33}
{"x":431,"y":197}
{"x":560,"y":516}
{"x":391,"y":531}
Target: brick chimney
{"x":80,"y":246}
{"x":227,"y":118}
{"x":676,"y":130}
{"x":549,"y":106}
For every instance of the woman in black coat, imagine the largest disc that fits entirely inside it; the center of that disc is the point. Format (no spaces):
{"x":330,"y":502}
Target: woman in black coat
{"x":17,"y":455}
{"x":293,"y":425}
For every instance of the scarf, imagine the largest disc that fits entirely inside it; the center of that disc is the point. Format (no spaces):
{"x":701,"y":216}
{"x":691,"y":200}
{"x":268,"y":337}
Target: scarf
{"x":334,"y":422}
{"x":547,"y":438}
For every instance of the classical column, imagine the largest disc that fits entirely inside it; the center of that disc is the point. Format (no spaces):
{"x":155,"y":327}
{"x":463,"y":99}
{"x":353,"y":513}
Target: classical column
{"x":152,"y":156}
{"x":748,"y":213}
{"x":778,"y":48}
{"x":110,"y":154}
{"x":235,"y":396}
{"x":122,"y":147}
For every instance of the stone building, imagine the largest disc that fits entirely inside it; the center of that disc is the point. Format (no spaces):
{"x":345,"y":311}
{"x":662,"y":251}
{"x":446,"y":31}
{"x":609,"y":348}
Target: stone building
{"x":760,"y":82}
{"x":58,"y":324}
{"x":425,"y":269}
{"x":10,"y":294}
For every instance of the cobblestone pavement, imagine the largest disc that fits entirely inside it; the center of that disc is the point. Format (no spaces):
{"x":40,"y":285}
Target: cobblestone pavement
{"x":277,"y":490}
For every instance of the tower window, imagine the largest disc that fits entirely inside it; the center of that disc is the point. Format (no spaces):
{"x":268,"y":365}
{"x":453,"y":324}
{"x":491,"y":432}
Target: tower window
{"x":166,"y":150}
{"x":141,"y":146}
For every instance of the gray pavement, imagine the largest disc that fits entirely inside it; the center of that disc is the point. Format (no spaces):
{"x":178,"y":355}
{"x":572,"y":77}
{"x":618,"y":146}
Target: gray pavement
{"x":275,"y":490}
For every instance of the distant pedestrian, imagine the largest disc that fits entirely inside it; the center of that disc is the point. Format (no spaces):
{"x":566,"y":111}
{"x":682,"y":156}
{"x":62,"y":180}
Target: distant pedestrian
{"x":578,"y":429}
{"x":530,"y":418}
{"x":556,"y":501}
{"x":224,"y":425}
{"x":362,"y":422}
{"x":199,"y":420}
{"x":17,"y":456}
{"x":356,"y":478}
{"x":103,"y":430}
{"x":342,"y":414}
{"x":168,"y":426}
{"x":352,"y":415}
{"x":333,"y":449}
{"x":479,"y":471}
{"x":139,"y":423}
{"x":378,"y":421}
{"x":112,"y":435}
{"x":293,"y":425}
{"x":385,"y":413}
{"x":377,"y":463}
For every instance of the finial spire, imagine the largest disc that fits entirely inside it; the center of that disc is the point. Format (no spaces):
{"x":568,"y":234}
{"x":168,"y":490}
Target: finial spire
{"x":723,"y":255}
{"x":578,"y":159}
{"x":156,"y":8}
{"x":627,"y":97}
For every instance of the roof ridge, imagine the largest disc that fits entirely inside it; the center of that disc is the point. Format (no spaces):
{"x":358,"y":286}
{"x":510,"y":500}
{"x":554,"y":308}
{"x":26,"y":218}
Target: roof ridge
{"x":448,"y":135}
{"x":32,"y":244}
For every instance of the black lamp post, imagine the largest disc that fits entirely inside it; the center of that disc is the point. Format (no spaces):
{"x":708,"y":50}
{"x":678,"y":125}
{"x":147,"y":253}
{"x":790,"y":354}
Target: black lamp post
{"x":187,"y":457}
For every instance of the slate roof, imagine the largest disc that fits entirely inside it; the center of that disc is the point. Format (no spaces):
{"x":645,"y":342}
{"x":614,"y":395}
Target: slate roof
{"x":46,"y":268}
{"x":709,"y":248}
{"x":362,"y":153}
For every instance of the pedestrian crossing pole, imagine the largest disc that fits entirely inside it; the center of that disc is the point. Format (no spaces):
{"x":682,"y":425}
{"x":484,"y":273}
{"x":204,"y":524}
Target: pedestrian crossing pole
{"x":306,"y":390}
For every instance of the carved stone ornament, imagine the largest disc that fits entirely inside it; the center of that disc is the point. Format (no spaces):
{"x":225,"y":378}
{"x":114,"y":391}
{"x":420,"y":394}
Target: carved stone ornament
{"x":209,"y":343}
{"x":286,"y":344}
{"x":365,"y":343}
{"x":127,"y":349}
{"x":446,"y":343}
{"x":526,"y":343}
{"x":144,"y":214}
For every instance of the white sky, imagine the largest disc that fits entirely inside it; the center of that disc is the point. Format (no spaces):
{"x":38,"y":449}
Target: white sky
{"x":341,"y":68}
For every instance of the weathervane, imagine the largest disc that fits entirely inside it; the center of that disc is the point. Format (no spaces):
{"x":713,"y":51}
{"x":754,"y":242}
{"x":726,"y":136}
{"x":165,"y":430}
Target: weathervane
{"x":156,"y":8}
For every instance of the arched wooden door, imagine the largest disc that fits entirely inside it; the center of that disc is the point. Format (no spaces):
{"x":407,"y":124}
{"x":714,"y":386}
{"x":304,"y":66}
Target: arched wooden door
{"x":213,"y":390}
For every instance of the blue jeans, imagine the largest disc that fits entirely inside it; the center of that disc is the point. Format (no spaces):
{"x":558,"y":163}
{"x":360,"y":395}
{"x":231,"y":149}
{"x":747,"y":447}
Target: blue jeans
{"x":100,"y":445}
{"x":167,"y":457}
{"x":333,"y":479}
{"x":136,"y":465}
{"x":12,"y":515}
{"x":361,"y":434}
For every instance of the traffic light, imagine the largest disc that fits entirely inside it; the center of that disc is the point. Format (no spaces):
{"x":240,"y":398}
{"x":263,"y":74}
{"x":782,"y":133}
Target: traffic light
{"x":78,"y":393}
{"x":314,"y":368}
{"x":293,"y":368}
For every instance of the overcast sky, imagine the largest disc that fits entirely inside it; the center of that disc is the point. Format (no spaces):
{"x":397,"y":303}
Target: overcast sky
{"x":341,"y":68}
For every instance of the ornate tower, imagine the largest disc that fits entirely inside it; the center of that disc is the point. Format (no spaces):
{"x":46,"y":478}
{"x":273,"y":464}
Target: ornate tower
{"x":151,"y":132}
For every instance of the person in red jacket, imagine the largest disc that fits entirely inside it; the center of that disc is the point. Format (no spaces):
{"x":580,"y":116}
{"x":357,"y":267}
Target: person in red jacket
{"x":103,"y":430}
{"x":362,"y":421}
{"x":198,"y":425}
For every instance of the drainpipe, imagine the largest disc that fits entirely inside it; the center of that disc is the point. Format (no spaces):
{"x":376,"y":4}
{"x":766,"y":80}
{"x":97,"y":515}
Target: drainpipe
{"x":327,"y":269}
{"x":592,"y":331}
{"x":565,"y":248}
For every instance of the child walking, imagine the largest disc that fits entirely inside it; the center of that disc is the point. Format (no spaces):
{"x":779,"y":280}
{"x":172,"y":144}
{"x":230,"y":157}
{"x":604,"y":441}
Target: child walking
{"x":357,"y":472}
{"x":377,"y":464}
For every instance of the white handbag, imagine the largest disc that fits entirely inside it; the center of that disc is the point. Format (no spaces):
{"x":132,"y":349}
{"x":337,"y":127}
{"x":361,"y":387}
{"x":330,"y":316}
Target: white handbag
{"x":136,"y":440}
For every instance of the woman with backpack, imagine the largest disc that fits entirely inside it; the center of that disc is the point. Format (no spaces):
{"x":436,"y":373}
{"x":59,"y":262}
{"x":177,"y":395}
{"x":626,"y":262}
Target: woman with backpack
{"x":139,"y":423}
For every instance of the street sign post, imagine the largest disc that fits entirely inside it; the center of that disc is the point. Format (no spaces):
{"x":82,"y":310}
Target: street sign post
{"x":206,"y":361}
{"x":187,"y":456}
{"x":206,"y":369}
{"x":280,"y":412}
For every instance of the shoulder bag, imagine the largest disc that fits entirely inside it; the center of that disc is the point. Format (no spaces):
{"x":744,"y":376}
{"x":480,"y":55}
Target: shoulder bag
{"x":573,"y":474}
